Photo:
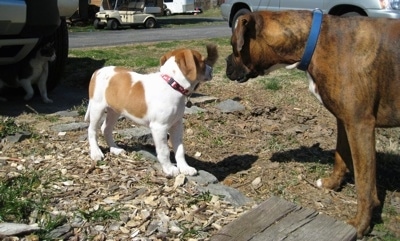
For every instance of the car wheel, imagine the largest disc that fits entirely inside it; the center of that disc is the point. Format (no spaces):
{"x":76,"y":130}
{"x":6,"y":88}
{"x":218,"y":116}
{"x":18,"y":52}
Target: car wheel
{"x":239,"y":13}
{"x":167,"y":12}
{"x":56,"y":68}
{"x":349,"y":14}
{"x":112,"y":24}
{"x":150,"y":23}
{"x":97,"y":25}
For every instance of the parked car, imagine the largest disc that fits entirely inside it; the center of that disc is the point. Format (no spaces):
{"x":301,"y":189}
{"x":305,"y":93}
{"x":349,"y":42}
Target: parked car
{"x":232,"y":9}
{"x":25,"y":24}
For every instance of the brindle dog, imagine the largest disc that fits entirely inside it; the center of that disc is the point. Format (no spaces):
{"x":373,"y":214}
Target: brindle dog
{"x":354,"y":72}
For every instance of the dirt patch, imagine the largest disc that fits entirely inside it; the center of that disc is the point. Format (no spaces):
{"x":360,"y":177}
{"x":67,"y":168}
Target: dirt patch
{"x":279,"y":145}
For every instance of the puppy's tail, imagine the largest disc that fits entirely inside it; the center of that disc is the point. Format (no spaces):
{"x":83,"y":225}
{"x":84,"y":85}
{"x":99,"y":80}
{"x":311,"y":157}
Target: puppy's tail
{"x":212,"y":54}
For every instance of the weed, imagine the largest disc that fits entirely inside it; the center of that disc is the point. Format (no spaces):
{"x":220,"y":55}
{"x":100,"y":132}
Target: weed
{"x":81,"y":109}
{"x":48,"y":224}
{"x":202,"y":197}
{"x":100,"y":214}
{"x":19,"y":197}
{"x":8,"y":127}
{"x":271,"y":83}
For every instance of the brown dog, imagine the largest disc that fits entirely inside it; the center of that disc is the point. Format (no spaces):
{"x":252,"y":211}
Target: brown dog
{"x":354,"y":72}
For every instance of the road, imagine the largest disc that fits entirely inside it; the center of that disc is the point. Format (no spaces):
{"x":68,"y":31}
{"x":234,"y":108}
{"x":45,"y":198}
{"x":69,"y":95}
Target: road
{"x":128,"y":36}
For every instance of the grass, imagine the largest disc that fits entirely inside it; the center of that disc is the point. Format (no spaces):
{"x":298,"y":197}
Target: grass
{"x":21,"y":195}
{"x":100,"y":214}
{"x":9,"y":127}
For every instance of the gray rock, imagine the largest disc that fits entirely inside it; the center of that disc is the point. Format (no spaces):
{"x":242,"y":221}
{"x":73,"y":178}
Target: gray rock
{"x":17,"y":137}
{"x":65,"y":113}
{"x":75,"y":126}
{"x":194,"y":110}
{"x":8,"y":229}
{"x":60,"y":231}
{"x":229,"y":106}
{"x":140,"y":133}
{"x":203,"y":178}
{"x":202,"y":99}
{"x":229,"y":194}
{"x":148,"y":155}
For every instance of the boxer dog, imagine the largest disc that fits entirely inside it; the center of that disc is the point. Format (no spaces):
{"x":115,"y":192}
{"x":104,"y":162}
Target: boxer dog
{"x":354,"y":71}
{"x":154,"y":100}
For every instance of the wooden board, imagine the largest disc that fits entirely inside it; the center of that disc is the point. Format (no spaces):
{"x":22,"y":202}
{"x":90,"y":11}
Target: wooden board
{"x":277,"y":219}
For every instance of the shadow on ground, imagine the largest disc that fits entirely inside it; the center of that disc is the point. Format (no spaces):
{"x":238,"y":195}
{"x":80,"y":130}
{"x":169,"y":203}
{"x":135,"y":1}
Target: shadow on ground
{"x":71,"y":92}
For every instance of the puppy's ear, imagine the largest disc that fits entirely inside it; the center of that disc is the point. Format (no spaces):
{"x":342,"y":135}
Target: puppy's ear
{"x":187,"y":64}
{"x":164,"y":58}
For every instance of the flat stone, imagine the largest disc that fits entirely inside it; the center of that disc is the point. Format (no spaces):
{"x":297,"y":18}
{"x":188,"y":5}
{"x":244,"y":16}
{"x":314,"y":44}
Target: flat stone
{"x":75,"y":126}
{"x":229,"y":106}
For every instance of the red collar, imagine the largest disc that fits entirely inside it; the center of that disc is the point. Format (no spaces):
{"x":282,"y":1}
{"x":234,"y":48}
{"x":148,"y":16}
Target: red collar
{"x":175,"y":85}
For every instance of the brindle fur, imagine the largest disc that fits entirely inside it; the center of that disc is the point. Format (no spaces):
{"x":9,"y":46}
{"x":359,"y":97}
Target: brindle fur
{"x":356,"y":72}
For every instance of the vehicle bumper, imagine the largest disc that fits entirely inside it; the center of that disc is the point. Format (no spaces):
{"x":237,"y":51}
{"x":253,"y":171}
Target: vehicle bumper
{"x":22,"y":24}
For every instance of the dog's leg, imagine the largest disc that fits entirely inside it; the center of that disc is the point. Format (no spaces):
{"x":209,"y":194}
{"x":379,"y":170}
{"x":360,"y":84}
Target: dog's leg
{"x":107,"y":128}
{"x":42,"y":86}
{"x":159,"y":133}
{"x":361,"y":136}
{"x":95,"y":113}
{"x":27,"y":86}
{"x":176,"y":133}
{"x":343,"y":161}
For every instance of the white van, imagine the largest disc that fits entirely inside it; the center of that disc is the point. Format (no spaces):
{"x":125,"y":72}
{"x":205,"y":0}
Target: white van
{"x":180,"y":7}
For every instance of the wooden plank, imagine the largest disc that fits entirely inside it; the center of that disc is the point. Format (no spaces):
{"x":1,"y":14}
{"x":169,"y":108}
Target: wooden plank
{"x":277,"y":219}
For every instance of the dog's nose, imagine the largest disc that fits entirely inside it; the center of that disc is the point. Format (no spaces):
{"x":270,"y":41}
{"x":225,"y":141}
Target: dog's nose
{"x":208,"y":74}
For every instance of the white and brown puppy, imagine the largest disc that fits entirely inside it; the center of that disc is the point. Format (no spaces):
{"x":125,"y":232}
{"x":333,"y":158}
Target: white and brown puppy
{"x":155,"y":100}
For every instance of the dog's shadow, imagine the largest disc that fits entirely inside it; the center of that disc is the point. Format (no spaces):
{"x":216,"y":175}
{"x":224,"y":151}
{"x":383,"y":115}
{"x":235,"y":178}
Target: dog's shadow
{"x":387,"y":169}
{"x":221,"y":169}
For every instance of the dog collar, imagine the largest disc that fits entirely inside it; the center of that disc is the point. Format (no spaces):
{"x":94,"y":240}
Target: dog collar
{"x":175,"y":85}
{"x":312,"y":39}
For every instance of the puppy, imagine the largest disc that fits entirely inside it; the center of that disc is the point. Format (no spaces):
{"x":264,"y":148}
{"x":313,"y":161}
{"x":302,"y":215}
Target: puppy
{"x":154,"y":100}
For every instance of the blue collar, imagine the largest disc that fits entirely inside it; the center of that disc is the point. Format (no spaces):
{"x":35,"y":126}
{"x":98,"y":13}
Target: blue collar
{"x":312,"y":39}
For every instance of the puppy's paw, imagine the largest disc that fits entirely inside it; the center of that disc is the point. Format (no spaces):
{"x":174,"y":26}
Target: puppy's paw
{"x":96,"y":155}
{"x":116,"y":150}
{"x":170,"y":170}
{"x":188,"y":170}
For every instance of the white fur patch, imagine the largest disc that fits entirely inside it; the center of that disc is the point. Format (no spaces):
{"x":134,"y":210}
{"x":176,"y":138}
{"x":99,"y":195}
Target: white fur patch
{"x":313,"y":87}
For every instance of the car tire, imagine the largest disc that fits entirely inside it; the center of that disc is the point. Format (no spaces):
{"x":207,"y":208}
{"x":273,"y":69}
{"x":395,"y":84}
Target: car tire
{"x":61,"y":44}
{"x":239,"y":13}
{"x":351,"y":14}
{"x":167,"y":12}
{"x":112,"y":24}
{"x":150,"y":23}
{"x":97,"y":25}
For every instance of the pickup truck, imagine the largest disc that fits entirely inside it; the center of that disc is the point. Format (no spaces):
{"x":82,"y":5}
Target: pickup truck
{"x":26,"y":23}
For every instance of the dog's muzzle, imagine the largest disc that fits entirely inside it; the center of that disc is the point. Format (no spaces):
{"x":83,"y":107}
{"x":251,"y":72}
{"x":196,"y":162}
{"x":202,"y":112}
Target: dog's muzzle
{"x":208,"y":73}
